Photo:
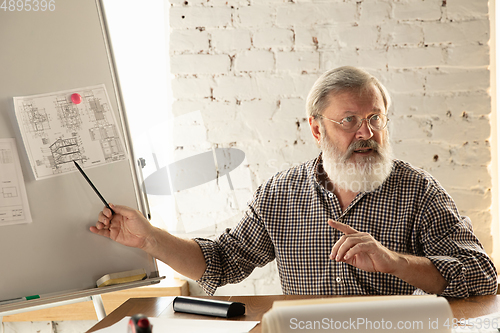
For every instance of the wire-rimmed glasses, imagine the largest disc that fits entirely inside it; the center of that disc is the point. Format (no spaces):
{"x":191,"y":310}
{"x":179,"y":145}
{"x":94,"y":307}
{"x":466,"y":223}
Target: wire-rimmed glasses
{"x":376,"y":122}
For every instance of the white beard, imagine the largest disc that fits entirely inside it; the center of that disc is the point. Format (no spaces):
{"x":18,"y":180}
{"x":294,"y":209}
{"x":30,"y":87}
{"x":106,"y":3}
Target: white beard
{"x":365,"y":174}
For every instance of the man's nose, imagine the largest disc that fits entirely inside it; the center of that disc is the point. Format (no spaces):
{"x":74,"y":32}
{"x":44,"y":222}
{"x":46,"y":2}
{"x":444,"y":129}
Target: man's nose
{"x":364,"y":132}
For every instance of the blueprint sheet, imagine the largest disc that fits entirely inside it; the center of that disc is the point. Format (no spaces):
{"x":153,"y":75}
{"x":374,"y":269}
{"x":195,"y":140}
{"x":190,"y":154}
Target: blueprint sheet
{"x":57,"y":131}
{"x":14,"y":207}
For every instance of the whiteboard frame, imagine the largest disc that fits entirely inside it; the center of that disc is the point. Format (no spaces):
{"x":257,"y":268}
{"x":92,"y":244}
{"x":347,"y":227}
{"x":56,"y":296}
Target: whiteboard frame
{"x":54,"y":299}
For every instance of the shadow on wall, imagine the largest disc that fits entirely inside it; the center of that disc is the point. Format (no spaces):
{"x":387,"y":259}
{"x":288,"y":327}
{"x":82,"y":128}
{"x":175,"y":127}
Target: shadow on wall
{"x":193,"y":171}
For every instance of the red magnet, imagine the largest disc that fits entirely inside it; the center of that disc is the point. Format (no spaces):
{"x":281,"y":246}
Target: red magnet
{"x":76,"y":98}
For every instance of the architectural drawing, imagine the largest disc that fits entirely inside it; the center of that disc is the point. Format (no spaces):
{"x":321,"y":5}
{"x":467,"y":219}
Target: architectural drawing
{"x":64,"y":151}
{"x":35,"y":120}
{"x":68,"y":114}
{"x":56,"y":131}
{"x":14,"y":207}
{"x":9,"y":191}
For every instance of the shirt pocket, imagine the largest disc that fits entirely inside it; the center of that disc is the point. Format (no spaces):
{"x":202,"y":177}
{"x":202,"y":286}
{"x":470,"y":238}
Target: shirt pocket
{"x":396,"y":238}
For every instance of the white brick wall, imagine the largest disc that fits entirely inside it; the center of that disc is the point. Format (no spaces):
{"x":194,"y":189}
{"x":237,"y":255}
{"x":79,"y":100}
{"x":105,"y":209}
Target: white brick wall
{"x":248,"y":65}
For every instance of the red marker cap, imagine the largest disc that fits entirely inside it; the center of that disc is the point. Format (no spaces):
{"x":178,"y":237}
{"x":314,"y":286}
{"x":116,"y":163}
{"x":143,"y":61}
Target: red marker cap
{"x":76,"y":98}
{"x":143,"y":323}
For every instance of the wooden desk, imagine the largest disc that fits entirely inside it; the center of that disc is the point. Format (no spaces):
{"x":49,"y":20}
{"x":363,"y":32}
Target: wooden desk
{"x":256,"y":306}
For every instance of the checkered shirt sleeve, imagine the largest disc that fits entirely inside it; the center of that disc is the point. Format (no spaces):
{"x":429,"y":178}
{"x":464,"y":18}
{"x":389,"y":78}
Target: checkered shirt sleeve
{"x":236,"y":253}
{"x":287,"y":220}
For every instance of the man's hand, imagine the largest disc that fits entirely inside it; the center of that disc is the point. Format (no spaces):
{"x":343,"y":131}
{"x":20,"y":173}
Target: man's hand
{"x":361,"y":250}
{"x":128,"y":226}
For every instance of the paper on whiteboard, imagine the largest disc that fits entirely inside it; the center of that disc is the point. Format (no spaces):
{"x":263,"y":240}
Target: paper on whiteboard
{"x":14,"y":207}
{"x":57,"y":131}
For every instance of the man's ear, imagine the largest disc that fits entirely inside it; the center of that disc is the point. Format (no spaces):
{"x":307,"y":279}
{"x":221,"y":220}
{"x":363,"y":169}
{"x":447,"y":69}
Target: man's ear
{"x":315,"y":129}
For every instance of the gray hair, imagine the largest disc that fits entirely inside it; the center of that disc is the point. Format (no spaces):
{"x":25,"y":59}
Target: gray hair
{"x":338,"y":80}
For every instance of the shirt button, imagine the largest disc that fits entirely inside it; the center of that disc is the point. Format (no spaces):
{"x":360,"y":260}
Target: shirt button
{"x":338,"y":279}
{"x":330,"y":195}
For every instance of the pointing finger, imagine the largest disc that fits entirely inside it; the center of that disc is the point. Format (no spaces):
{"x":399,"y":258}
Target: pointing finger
{"x":344,"y":228}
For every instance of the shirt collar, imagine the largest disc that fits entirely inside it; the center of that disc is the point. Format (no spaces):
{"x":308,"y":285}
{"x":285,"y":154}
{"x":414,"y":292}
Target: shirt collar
{"x":313,"y":170}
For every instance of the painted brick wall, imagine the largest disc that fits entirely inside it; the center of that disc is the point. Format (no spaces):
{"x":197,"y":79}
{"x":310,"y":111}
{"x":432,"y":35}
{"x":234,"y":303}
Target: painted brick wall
{"x":242,"y":70}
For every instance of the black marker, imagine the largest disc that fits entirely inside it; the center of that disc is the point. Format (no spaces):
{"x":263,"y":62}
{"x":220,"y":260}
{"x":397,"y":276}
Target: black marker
{"x":93,"y":187}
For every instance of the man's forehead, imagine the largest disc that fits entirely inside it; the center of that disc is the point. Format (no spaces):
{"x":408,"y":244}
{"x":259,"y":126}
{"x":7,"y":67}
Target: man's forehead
{"x":351,"y":100}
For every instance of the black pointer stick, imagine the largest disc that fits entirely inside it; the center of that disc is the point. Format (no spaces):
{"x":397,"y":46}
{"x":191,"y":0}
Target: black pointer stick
{"x":93,"y":187}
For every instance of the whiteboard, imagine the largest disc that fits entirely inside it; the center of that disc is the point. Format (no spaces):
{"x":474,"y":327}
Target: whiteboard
{"x":56,"y":254}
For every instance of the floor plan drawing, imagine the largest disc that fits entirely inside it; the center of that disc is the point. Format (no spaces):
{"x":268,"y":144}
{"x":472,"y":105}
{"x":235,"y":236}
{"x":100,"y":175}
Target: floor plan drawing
{"x":37,"y":121}
{"x":68,"y":114}
{"x":14,"y":207}
{"x":56,"y":130}
{"x":9,"y":191}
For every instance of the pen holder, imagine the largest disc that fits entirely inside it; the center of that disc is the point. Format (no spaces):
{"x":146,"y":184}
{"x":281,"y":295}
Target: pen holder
{"x":208,"y":307}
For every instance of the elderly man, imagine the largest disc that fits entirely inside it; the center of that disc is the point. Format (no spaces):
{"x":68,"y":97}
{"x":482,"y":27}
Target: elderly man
{"x":353,"y":221}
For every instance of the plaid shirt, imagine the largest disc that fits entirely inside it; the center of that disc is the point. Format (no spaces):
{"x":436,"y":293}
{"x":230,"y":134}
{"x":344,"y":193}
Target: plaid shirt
{"x":287,"y":221}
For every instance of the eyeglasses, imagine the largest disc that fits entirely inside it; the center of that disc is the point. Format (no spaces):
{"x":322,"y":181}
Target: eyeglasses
{"x":350,"y":124}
